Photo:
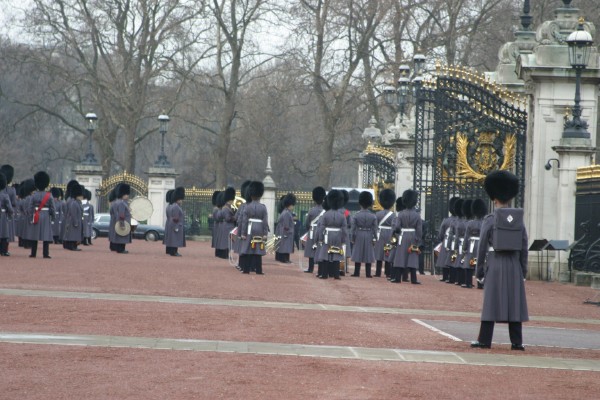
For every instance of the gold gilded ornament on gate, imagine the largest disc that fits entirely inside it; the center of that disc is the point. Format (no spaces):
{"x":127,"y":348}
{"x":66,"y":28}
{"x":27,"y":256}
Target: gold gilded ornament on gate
{"x":485,"y":158}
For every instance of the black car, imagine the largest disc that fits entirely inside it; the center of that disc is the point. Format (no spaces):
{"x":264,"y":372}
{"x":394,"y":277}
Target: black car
{"x":150,"y":233}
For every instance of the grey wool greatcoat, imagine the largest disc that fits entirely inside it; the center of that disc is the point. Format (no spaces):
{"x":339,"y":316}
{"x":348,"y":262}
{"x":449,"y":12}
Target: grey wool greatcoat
{"x":332,"y":232}
{"x":452,"y":221}
{"x":384,"y":232}
{"x":174,"y":230}
{"x":363,"y":233}
{"x":6,"y":215}
{"x":58,"y":218}
{"x":41,"y":231}
{"x":73,"y":221}
{"x":504,"y":289}
{"x":119,"y":211}
{"x":238,"y":223}
{"x":390,"y":257}
{"x":312,"y":220}
{"x":285,"y":227}
{"x":12,"y":196}
{"x":441,"y":238}
{"x":255,"y":222}
{"x":215,"y":228}
{"x":471,"y":242}
{"x":410,"y":227}
{"x":20,"y":217}
{"x":226,"y":218}
{"x":459,"y":238}
{"x":88,"y":219}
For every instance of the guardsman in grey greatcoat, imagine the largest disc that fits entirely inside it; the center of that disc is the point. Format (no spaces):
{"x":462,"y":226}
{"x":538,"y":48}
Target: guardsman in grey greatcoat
{"x":457,"y":226}
{"x":74,"y":219}
{"x":332,"y":234}
{"x":121,"y":214}
{"x":285,"y":227}
{"x":56,"y":223}
{"x":6,"y":216}
{"x":461,"y":268}
{"x":385,"y":218}
{"x":478,"y":211}
{"x":312,"y":219}
{"x":444,"y":237}
{"x":363,"y":235}
{"x":88,"y":217}
{"x":25,"y":227}
{"x":176,"y":237}
{"x":40,"y":214}
{"x":409,"y":228}
{"x":459,"y":239}
{"x":393,"y":239}
{"x":238,"y":222}
{"x":215,"y":225}
{"x":502,"y":262}
{"x":11,"y":191}
{"x":321,"y":267}
{"x":255,"y":228}
{"x":226,"y":218}
{"x":169,"y":200}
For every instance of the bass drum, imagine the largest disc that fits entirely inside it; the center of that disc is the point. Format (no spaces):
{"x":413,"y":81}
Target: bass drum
{"x":141,"y":208}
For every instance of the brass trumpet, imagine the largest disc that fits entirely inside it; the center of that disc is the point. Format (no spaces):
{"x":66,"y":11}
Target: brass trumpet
{"x":272,"y":245}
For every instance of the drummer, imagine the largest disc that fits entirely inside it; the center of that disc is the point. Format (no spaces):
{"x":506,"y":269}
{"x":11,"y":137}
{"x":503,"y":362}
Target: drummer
{"x":121,"y":215}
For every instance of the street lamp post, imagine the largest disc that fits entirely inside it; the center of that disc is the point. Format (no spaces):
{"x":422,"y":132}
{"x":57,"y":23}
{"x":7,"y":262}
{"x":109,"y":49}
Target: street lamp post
{"x":162,"y":161}
{"x":400,"y":96}
{"x":92,"y":120}
{"x":580,"y":44}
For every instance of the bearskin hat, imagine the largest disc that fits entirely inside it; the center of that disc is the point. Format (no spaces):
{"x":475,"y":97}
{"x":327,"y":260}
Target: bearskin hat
{"x":409,"y":198}
{"x":256,"y":190}
{"x":335,"y":199}
{"x":123,"y":190}
{"x":76,"y":191}
{"x":280,"y":206}
{"x":479,"y":208}
{"x":178,"y":194}
{"x":8,"y":171}
{"x":399,"y":204}
{"x":346,"y":197}
{"x":2,"y":181}
{"x":55,"y":192}
{"x":501,"y":185}
{"x":229,"y":194}
{"x":289,"y":200}
{"x":87,"y":194}
{"x":70,"y":185}
{"x":214,"y":197}
{"x":244,"y":188}
{"x":27,"y":187}
{"x":365,"y":199}
{"x":41,"y":179}
{"x":318,"y":194}
{"x":169,"y":196}
{"x":221,"y":199}
{"x":451,"y":203}
{"x":387,"y":197}
{"x":458,"y":207}
{"x":466,"y":209}
{"x":112,"y":196}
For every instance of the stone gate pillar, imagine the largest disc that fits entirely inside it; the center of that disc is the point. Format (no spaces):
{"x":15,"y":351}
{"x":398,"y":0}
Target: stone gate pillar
{"x":160,"y":181}
{"x":269,"y":198}
{"x":89,"y":176}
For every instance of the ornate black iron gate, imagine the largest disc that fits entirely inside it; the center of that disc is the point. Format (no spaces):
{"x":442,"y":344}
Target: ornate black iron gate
{"x":465,"y":127}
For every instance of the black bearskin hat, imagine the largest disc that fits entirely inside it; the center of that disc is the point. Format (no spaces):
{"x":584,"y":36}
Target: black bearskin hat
{"x":229,"y":194}
{"x":27,"y":187}
{"x":399,"y":204}
{"x":2,"y":181}
{"x":409,"y":198}
{"x":501,"y":185}
{"x":112,"y":196}
{"x":335,"y":199}
{"x":169,"y":196}
{"x":214,"y":197}
{"x":458,"y":207}
{"x":70,"y":185}
{"x":221,"y":199}
{"x":346,"y":197}
{"x":123,"y":190}
{"x":318,"y":194}
{"x":8,"y":171}
{"x":55,"y":192}
{"x":466,"y":209}
{"x":479,"y":208}
{"x":244,"y":188}
{"x":76,"y":191}
{"x":256,"y":190}
{"x":451,"y":204}
{"x":365,"y":199}
{"x":41,"y":179}
{"x":178,"y":194}
{"x":387,"y":197}
{"x":280,"y":206}
{"x":289,"y":200}
{"x":87,"y":194}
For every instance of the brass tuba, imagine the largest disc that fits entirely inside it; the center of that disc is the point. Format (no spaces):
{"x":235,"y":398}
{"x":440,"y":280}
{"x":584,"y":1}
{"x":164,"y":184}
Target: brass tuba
{"x":272,"y":244}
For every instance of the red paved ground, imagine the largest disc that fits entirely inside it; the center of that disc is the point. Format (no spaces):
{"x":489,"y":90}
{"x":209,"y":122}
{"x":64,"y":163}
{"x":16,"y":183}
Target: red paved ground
{"x":63,"y":372}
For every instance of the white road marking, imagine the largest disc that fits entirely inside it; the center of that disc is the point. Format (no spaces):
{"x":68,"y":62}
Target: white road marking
{"x":436,"y":330}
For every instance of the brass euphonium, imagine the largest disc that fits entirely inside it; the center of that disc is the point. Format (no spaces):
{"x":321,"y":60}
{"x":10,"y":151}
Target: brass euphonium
{"x":272,"y":244}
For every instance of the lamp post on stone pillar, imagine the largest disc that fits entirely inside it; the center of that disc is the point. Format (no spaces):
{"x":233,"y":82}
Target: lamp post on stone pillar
{"x":162,"y":161}
{"x":89,"y":172}
{"x":92,"y":121}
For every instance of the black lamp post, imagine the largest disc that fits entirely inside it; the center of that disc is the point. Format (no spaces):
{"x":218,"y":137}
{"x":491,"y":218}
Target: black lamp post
{"x":162,"y":161}
{"x":400,"y":96}
{"x":92,"y":120}
{"x":580,"y":45}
